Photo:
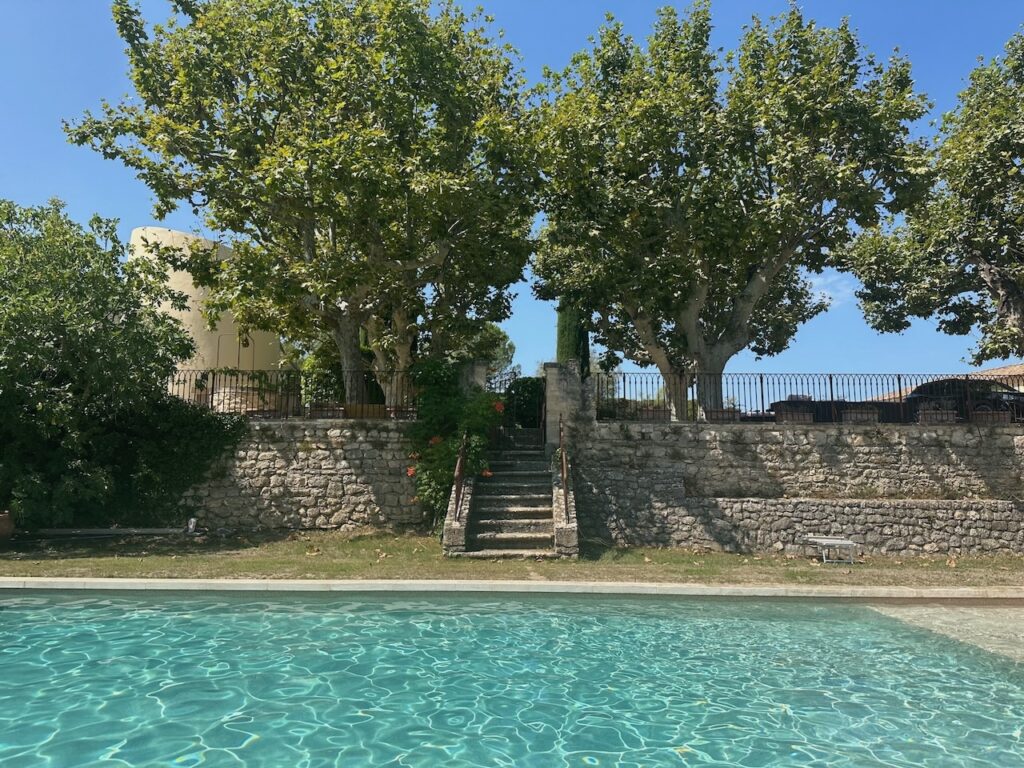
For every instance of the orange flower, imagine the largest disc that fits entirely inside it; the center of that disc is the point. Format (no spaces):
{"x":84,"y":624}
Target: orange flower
{"x":436,"y":440}
{"x":410,"y":471}
{"x":487,"y":473}
{"x":499,"y":407}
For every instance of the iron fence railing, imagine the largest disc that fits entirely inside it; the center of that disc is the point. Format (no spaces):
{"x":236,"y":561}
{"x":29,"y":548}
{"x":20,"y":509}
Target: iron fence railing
{"x":990,"y":398}
{"x":287,"y":394}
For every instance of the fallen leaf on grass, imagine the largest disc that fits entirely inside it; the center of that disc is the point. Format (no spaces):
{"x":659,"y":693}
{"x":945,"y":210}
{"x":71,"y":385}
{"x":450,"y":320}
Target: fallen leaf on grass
{"x":951,"y":562}
{"x":312,"y":551}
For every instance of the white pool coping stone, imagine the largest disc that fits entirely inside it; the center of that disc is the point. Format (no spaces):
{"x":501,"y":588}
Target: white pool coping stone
{"x":387,"y":586}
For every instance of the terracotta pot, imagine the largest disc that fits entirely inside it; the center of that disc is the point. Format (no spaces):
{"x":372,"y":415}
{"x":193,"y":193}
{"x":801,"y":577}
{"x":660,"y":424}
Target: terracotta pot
{"x":6,"y":526}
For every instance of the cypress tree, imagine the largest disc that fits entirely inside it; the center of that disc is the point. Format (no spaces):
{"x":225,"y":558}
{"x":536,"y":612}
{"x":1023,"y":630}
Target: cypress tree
{"x":573,"y":340}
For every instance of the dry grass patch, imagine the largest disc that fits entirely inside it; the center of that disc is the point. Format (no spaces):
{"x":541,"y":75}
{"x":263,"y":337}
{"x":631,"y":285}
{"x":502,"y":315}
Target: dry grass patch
{"x":376,"y":555}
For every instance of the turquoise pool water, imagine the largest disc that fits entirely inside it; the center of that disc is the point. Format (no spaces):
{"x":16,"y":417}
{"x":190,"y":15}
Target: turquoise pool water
{"x":459,"y":681}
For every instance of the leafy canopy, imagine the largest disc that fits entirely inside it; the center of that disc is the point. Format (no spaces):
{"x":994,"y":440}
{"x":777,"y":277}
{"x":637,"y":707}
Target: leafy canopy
{"x":88,"y":432}
{"x":959,"y":255}
{"x":372,"y":159}
{"x":688,"y":193}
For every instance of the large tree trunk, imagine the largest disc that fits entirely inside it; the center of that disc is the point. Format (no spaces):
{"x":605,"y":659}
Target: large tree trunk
{"x":676,"y":389}
{"x":392,"y":365}
{"x":1007,"y":294}
{"x":345,"y":332}
{"x":709,"y":381}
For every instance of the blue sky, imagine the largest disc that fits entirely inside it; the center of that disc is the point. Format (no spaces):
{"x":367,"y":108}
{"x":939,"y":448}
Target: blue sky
{"x":61,"y":57}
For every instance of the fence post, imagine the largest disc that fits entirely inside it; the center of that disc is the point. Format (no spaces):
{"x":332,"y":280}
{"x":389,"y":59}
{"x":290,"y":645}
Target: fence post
{"x":761,"y":381}
{"x":832,"y":399}
{"x":899,"y":394}
{"x":970,"y":404}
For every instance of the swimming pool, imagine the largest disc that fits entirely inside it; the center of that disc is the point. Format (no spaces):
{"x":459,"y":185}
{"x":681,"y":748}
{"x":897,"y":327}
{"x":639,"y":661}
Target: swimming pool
{"x":299,"y":680}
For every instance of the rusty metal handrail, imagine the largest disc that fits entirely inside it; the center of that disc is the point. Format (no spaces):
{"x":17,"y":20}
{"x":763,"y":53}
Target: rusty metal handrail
{"x":564,"y":457}
{"x":460,"y":476}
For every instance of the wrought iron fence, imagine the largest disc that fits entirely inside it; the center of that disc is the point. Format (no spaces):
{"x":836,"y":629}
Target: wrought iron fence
{"x":991,"y":398}
{"x":291,"y":394}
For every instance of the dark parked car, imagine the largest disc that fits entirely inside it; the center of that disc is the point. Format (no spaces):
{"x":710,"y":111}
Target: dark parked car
{"x":966,"y":396}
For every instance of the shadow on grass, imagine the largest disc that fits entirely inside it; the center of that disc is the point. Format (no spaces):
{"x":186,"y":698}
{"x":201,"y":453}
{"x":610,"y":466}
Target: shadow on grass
{"x":595,"y":548}
{"x":28,"y":547}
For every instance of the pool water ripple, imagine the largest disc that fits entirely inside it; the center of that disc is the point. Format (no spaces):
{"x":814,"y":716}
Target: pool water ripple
{"x":470,"y":681}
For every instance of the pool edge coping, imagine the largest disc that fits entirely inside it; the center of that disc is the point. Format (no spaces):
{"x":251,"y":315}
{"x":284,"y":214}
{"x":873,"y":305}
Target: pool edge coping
{"x":1002,"y":594}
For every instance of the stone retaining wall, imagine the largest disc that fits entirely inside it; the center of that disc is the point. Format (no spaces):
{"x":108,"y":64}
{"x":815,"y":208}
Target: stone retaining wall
{"x":897,"y":526}
{"x":344,"y":474}
{"x":748,"y":487}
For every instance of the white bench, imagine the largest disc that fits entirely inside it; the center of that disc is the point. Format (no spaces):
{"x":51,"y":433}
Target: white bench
{"x":837,"y":544}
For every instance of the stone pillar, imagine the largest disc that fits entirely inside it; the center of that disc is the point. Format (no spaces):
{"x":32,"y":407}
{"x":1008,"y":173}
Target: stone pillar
{"x":567,"y":396}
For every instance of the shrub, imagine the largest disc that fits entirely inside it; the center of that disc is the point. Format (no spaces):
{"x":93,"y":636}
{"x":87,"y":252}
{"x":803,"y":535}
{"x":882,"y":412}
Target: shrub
{"x":88,"y":431}
{"x":448,"y":415}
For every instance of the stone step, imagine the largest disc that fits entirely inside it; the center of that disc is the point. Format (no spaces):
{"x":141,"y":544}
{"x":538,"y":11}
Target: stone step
{"x":536,"y":455}
{"x":518,"y":476}
{"x":521,"y":554}
{"x":516,"y":525}
{"x":496,"y":487}
{"x":535,"y":437}
{"x":526,"y":441}
{"x":531,"y":500}
{"x":513,"y":512}
{"x":501,"y":467}
{"x":516,"y":540}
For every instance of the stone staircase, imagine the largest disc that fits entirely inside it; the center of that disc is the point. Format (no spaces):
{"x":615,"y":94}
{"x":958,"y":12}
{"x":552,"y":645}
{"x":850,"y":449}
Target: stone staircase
{"x":520,"y":511}
{"x":510,"y":513}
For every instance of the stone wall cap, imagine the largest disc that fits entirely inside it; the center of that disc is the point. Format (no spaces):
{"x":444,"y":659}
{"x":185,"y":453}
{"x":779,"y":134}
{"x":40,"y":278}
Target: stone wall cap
{"x":689,"y":590}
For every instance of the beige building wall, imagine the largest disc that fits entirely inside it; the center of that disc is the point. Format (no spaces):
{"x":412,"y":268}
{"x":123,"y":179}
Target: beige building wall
{"x":221,"y":347}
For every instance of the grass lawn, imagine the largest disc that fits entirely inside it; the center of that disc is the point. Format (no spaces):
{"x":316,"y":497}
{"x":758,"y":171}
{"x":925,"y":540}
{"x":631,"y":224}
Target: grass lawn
{"x":333,"y":555}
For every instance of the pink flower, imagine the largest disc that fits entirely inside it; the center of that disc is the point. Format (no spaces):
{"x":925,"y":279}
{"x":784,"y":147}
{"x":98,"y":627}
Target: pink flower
{"x":410,"y":471}
{"x":436,"y":440}
{"x":499,"y":407}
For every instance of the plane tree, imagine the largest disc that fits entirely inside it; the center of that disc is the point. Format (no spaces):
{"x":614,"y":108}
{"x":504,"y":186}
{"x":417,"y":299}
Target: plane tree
{"x":370,"y":161}
{"x":688,"y":193}
{"x":958,"y":256}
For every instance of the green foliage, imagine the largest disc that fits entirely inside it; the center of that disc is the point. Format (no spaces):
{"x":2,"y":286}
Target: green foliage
{"x":572,"y":338}
{"x":524,"y":398}
{"x":447,"y":416}
{"x":688,"y":193}
{"x":489,"y":344}
{"x":157,"y":454}
{"x":88,"y":432}
{"x":372,"y":159}
{"x":959,"y":255}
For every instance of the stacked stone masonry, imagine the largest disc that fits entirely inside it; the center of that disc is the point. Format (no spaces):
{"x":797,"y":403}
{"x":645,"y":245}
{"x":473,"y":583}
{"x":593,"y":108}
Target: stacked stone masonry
{"x":312,"y":474}
{"x":896,"y":489}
